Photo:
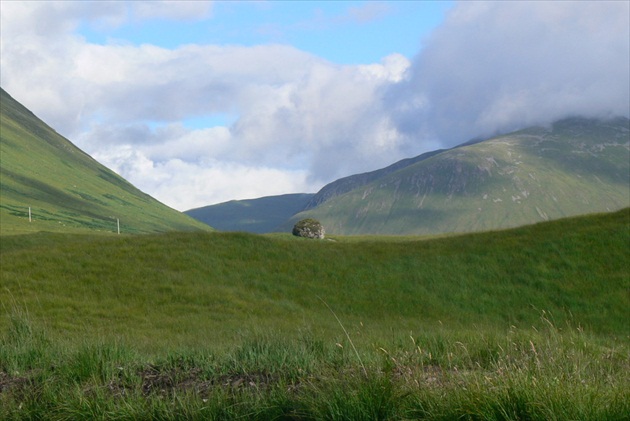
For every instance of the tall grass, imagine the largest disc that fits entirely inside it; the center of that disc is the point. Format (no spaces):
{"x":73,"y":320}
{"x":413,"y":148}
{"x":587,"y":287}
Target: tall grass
{"x":533,"y":374}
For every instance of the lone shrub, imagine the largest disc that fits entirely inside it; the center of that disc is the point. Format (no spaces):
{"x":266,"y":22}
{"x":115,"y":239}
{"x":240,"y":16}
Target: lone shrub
{"x":309,"y":228}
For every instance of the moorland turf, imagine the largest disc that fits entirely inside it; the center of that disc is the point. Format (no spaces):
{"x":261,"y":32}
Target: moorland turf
{"x":530,"y":323}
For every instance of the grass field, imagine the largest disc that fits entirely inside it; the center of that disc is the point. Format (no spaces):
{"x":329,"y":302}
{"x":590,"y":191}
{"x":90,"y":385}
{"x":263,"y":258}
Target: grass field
{"x":530,"y":323}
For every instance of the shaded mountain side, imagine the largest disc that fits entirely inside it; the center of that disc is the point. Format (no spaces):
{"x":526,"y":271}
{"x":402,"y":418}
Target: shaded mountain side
{"x":575,"y":166}
{"x":260,"y":215}
{"x":346,"y":184}
{"x":351,"y":182}
{"x":65,"y":188}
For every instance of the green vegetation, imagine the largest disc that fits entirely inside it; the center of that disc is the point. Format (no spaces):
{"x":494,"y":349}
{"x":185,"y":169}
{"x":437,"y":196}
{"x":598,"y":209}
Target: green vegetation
{"x":520,"y":375}
{"x":65,"y":189}
{"x":575,"y":167}
{"x":530,"y":323}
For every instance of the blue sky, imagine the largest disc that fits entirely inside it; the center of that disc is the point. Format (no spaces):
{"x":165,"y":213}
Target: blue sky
{"x":201,"y":102}
{"x":354,"y":32}
{"x":342,"y":32}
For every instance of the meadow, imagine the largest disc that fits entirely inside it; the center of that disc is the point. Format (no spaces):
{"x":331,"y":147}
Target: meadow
{"x":523,"y":324}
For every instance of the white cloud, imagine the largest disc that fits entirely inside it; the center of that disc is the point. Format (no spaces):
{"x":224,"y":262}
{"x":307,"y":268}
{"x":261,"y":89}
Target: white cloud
{"x":188,"y":184}
{"x":300,"y":120}
{"x":368,"y":12}
{"x":393,"y":68}
{"x":165,"y":9}
{"x":296,"y":113}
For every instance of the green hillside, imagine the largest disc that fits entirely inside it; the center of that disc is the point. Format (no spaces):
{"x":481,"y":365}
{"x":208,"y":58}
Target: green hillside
{"x":208,"y":288}
{"x":65,"y":188}
{"x":346,"y":184}
{"x":576,"y":166}
{"x":262,"y":215}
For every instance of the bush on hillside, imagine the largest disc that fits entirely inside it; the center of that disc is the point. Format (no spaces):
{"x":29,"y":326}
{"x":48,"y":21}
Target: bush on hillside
{"x":309,"y":228}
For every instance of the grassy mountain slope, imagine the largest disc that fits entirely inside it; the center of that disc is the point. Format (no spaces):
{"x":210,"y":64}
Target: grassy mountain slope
{"x":576,"y":166}
{"x":210,"y":289}
{"x":260,"y":215}
{"x":65,"y":188}
{"x":346,"y":184}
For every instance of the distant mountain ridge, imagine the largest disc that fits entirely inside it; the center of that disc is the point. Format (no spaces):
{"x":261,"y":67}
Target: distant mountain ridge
{"x":64,"y":188}
{"x":575,"y":166}
{"x":262,"y":215}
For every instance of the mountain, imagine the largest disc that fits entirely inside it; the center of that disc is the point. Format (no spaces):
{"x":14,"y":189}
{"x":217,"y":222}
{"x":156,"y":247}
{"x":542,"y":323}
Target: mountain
{"x":260,"y":215}
{"x":65,"y":189}
{"x":574,"y":166}
{"x":346,"y":184}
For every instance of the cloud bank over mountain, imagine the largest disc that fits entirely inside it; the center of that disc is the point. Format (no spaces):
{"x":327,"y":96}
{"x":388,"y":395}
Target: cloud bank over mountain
{"x":202,"y":123}
{"x":502,"y":65}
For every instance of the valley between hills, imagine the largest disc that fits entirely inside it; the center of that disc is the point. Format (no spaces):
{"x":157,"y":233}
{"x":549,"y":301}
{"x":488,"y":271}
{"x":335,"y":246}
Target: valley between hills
{"x":402,"y":312}
{"x":572,"y":167}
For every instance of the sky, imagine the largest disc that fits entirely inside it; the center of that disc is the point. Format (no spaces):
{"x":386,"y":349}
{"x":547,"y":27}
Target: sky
{"x":202,"y":102}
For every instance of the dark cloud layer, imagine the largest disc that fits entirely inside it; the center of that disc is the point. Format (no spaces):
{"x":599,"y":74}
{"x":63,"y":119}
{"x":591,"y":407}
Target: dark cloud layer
{"x":498,"y":66}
